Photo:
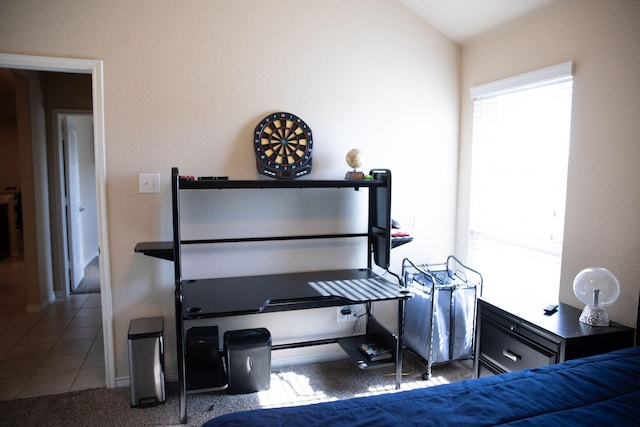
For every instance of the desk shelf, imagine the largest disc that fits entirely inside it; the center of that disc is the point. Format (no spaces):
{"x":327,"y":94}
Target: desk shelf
{"x":219,"y":297}
{"x":162,"y":250}
{"x":376,"y":333}
{"x":201,"y":380}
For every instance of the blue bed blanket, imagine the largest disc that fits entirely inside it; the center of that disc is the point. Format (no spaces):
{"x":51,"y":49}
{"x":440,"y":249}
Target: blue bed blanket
{"x":601,"y":390}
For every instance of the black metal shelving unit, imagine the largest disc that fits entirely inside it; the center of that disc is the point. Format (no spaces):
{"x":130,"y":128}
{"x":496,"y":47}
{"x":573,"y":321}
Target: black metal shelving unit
{"x":198,"y":299}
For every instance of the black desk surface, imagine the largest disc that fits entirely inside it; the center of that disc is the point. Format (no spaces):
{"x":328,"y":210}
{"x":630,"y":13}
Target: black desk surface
{"x":257,"y":294}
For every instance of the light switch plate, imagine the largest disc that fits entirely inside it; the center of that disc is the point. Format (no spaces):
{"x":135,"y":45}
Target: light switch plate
{"x":149,"y":182}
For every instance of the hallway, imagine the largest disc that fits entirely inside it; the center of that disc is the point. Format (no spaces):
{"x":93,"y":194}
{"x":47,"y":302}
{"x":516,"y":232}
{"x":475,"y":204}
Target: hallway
{"x":54,"y":351}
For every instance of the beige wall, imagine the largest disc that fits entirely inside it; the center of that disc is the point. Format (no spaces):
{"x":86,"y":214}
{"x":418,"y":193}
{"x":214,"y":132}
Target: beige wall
{"x":30,"y":116}
{"x":185,"y":84}
{"x":603,"y":202}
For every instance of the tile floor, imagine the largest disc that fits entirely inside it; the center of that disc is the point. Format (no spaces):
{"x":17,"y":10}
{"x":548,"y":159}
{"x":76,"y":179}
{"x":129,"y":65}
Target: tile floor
{"x":57,"y":350}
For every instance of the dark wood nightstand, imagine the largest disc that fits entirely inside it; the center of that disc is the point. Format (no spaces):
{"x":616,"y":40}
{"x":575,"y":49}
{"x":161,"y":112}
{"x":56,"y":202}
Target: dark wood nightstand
{"x":515,"y":338}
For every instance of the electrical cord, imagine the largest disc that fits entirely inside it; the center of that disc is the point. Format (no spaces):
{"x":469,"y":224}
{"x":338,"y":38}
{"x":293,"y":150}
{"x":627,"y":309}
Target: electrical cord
{"x":404,"y":374}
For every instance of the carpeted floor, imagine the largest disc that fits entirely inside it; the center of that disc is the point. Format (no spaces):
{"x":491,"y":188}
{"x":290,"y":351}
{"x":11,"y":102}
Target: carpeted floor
{"x":290,"y":386}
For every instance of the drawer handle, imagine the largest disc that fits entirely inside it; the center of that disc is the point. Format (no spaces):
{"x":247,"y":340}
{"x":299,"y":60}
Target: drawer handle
{"x":510,"y":355}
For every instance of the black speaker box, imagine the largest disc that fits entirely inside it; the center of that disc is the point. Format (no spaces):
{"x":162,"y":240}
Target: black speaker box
{"x":202,"y":347}
{"x":248,"y":355}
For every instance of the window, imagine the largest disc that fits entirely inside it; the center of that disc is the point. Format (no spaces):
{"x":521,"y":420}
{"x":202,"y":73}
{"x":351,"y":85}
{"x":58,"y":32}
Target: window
{"x":521,"y":131}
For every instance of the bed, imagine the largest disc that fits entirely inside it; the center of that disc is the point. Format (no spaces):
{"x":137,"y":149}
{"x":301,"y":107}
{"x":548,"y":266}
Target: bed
{"x":594,"y":391}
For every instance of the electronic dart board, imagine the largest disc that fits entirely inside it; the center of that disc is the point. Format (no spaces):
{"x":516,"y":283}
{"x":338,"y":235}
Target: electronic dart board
{"x":283,"y":144}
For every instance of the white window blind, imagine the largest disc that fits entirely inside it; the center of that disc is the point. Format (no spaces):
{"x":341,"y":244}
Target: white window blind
{"x":521,"y":132}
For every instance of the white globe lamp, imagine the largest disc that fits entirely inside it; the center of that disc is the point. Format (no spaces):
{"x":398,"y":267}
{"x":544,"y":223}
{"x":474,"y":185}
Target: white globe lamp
{"x":597,"y":288}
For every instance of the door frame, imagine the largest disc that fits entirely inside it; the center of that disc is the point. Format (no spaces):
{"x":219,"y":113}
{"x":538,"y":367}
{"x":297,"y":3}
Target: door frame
{"x":95,"y":68}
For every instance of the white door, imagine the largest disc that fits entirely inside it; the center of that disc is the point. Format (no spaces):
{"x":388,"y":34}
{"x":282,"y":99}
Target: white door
{"x":74,"y":207}
{"x":80,"y":194}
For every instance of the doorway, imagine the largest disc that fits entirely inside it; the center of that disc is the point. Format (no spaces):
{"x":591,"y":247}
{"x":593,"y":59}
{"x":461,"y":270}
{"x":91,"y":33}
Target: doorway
{"x":41,"y":252}
{"x":78,"y":200}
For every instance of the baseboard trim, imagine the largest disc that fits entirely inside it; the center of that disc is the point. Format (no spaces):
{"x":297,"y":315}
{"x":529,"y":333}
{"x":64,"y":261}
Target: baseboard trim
{"x":37,"y":308}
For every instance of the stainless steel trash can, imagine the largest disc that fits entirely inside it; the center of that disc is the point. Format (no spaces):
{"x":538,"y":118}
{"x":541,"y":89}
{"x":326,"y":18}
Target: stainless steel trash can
{"x":146,"y":362}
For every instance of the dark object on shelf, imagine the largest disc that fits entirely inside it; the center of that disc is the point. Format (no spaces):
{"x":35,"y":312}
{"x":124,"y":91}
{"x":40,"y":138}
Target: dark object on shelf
{"x":440,"y":318}
{"x":550,"y":309}
{"x":146,"y":362}
{"x":283,"y":144}
{"x":374,"y":352}
{"x":399,"y":241}
{"x":248,"y":355}
{"x":202,"y":347}
{"x":203,"y":360}
{"x":213,"y":178}
{"x":398,"y":238}
{"x":380,"y":216}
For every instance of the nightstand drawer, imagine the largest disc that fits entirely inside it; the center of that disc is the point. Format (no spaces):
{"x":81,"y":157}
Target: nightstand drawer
{"x":520,"y":336}
{"x":508,"y":351}
{"x":516,"y":327}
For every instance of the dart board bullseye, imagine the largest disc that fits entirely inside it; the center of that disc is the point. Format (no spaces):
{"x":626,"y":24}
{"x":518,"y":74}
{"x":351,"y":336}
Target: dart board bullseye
{"x":283,"y":144}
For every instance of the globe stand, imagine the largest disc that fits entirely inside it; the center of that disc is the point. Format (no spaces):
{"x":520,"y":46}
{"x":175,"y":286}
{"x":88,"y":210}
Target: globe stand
{"x":594,"y":316}
{"x":354,"y":176}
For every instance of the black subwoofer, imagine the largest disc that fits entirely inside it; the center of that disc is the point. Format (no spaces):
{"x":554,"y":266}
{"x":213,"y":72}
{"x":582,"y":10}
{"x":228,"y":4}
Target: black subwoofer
{"x":202,"y":347}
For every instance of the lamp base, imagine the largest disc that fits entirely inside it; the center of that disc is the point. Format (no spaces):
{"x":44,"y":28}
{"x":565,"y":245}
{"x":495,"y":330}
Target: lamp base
{"x":594,"y":316}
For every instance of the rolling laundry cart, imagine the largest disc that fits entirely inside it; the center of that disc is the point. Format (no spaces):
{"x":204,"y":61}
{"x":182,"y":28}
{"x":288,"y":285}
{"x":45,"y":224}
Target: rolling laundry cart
{"x":439,"y":322}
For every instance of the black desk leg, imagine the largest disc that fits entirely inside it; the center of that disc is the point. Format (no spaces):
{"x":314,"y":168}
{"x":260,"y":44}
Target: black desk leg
{"x":399,"y":343}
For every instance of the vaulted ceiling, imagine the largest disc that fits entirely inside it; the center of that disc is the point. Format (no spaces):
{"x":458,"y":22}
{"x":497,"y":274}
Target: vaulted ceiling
{"x":464,"y":20}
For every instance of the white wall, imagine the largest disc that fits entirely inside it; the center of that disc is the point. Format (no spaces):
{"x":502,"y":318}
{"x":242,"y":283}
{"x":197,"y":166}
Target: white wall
{"x":602,"y":224}
{"x":185,"y":85}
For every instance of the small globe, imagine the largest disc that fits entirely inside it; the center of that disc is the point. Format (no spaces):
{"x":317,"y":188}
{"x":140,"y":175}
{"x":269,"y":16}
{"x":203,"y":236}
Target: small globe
{"x":354,"y":158}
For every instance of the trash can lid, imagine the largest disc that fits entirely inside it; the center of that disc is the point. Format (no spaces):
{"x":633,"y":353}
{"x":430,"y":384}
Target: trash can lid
{"x":146,"y":327}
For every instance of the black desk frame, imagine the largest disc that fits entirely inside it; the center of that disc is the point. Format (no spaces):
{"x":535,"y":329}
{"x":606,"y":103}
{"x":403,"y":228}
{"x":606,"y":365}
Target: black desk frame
{"x":199,"y":299}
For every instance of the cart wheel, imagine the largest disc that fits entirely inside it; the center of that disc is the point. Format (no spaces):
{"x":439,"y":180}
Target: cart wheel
{"x":426,"y":376}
